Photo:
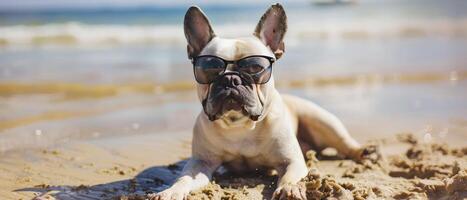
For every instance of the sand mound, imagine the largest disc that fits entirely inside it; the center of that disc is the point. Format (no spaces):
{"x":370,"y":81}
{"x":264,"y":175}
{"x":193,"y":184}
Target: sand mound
{"x":421,"y":171}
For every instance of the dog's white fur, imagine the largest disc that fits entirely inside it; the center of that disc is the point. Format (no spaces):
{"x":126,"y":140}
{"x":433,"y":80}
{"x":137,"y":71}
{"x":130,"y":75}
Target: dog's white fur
{"x":242,"y":144}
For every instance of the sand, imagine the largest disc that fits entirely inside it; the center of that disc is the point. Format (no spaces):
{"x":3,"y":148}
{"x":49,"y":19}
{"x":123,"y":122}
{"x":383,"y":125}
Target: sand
{"x":423,"y":171}
{"x":129,"y":168}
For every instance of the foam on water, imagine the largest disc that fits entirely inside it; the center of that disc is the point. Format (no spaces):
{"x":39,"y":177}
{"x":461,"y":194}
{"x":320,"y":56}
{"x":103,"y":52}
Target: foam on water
{"x":74,"y":33}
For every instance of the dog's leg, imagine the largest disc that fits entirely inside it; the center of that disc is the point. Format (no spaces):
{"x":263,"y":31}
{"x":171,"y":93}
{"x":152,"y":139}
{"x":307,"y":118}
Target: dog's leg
{"x":290,"y":174}
{"x":323,"y":128}
{"x":290,"y":167}
{"x":195,"y":174}
{"x":328,"y":130}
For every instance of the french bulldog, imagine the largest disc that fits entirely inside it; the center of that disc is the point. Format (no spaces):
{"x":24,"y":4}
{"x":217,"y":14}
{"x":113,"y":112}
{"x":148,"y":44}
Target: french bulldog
{"x":245,"y":123}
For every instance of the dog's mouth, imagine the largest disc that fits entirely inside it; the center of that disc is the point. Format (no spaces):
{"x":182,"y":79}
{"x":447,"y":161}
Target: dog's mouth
{"x":231,"y":103}
{"x":240,"y":100}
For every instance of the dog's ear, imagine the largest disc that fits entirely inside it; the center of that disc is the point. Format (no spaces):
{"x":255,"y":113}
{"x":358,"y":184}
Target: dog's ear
{"x":198,"y":31}
{"x":271,"y":29}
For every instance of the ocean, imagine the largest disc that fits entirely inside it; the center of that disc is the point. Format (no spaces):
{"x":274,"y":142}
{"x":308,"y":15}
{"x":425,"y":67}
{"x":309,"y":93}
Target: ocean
{"x":370,"y":36}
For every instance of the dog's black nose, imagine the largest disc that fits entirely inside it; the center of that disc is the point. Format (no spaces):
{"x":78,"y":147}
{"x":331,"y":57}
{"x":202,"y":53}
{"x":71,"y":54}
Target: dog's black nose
{"x":231,"y":80}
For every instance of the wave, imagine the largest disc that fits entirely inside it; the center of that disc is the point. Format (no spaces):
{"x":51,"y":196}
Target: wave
{"x":73,"y":33}
{"x":84,"y":34}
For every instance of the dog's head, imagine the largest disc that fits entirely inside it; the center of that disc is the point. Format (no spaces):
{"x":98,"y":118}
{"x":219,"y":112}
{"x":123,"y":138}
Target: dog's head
{"x":235,"y":97}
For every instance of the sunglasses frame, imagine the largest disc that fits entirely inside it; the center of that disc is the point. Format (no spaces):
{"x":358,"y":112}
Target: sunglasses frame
{"x":227,"y":62}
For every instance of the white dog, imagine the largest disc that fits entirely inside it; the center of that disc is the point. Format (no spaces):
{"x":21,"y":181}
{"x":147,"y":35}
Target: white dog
{"x":246,"y":124}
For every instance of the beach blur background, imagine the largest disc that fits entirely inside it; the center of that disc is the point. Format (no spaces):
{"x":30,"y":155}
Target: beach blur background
{"x":93,"y":70}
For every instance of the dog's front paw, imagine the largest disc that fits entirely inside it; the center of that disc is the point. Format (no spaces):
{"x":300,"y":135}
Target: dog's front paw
{"x":169,"y":194}
{"x":290,"y":192}
{"x":368,"y":152}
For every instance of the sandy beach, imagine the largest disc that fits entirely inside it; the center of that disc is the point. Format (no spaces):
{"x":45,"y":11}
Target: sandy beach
{"x":132,"y":167}
{"x":128,"y":141}
{"x":139,"y":146}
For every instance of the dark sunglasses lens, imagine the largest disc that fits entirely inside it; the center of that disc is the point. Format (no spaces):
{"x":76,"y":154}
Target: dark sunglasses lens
{"x":253,"y":65}
{"x":207,"y":69}
{"x":263,"y":77}
{"x":258,"y":67}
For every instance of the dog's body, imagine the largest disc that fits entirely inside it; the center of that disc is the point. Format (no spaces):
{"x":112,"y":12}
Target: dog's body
{"x":241,"y":142}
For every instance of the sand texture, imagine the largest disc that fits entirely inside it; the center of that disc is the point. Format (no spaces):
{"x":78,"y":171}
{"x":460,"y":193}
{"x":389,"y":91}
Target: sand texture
{"x":422,"y":171}
{"x":408,"y":169}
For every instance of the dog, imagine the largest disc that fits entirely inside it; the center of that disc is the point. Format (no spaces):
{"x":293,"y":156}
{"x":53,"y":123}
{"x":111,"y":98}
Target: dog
{"x":245,"y":123}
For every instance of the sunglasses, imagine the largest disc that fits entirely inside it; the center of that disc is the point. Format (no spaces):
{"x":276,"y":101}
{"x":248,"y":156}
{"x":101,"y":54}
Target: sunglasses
{"x":208,"y":68}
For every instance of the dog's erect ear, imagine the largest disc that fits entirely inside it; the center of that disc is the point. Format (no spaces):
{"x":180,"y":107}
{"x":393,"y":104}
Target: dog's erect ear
{"x":198,"y":31}
{"x":271,"y":29}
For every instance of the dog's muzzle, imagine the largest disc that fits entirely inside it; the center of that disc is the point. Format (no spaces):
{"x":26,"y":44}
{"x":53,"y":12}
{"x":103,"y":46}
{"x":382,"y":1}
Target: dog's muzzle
{"x":232,"y":91}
